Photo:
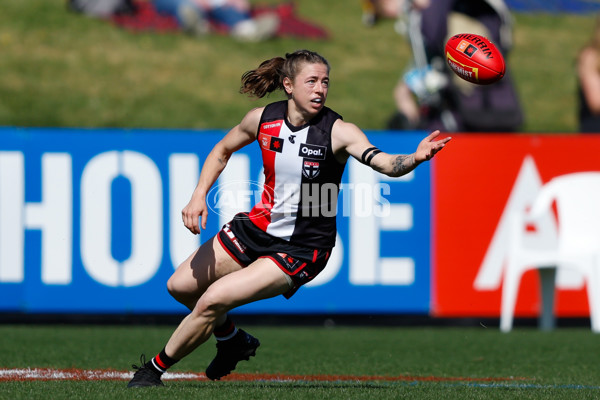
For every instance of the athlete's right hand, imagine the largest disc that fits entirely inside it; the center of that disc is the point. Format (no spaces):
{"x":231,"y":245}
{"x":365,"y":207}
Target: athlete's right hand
{"x":195,"y":210}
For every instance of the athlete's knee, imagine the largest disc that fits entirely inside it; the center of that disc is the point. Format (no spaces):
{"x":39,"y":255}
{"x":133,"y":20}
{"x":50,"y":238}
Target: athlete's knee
{"x":173,"y":287}
{"x":212,"y":303}
{"x":180,"y":292}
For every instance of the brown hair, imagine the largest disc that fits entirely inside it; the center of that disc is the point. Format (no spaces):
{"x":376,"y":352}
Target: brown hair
{"x":269,"y":75}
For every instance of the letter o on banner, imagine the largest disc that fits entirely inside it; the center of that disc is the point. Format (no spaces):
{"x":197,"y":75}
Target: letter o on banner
{"x":96,"y":211}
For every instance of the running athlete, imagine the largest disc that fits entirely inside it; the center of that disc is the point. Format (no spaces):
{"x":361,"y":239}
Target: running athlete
{"x":286,"y":239}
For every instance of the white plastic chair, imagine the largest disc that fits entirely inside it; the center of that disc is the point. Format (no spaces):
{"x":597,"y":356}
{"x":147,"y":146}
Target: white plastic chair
{"x":574,"y":243}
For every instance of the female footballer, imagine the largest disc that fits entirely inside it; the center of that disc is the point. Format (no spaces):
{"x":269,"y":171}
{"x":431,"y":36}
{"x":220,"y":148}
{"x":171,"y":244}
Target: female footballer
{"x":283,"y":242}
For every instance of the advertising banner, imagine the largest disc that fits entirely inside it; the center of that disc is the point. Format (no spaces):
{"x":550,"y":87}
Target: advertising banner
{"x":555,"y":6}
{"x":479,"y":185}
{"x":90,"y":222}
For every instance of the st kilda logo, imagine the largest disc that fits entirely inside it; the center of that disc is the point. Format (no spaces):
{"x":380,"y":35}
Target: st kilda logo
{"x":310,"y":152}
{"x":310,"y":169}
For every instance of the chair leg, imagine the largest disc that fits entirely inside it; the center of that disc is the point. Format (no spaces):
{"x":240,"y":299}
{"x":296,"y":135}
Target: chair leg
{"x":547,"y":283}
{"x":593,"y":288}
{"x":510,"y":289}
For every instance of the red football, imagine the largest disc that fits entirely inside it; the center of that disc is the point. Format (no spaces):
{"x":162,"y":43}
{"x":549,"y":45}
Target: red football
{"x":474,"y":58}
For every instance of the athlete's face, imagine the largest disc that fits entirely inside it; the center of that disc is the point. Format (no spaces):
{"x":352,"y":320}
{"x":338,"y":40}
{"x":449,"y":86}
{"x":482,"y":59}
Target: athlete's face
{"x":309,"y":87}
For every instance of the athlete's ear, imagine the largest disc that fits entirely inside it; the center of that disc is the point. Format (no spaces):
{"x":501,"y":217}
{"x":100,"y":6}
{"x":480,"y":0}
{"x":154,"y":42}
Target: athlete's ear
{"x":287,"y":85}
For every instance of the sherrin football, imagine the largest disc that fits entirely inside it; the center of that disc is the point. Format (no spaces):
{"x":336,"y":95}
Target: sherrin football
{"x":474,"y":58}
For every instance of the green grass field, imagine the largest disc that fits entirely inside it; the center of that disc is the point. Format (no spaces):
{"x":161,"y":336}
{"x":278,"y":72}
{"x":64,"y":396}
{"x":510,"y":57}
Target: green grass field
{"x":436,"y":363}
{"x":63,"y":69}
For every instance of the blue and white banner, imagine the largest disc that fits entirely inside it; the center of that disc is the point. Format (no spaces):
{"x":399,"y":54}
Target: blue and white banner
{"x":555,"y":6}
{"x":90,"y":222}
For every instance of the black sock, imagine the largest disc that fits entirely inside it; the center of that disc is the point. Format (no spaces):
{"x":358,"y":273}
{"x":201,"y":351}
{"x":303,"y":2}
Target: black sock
{"x":225,"y":331}
{"x":161,"y":362}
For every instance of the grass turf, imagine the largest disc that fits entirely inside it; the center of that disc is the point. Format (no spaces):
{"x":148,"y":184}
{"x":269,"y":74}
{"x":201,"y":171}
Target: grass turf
{"x":558,"y":364}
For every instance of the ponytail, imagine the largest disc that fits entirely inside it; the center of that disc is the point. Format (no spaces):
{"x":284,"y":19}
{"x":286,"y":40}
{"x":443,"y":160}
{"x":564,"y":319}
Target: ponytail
{"x":265,"y":79}
{"x":269,"y":75}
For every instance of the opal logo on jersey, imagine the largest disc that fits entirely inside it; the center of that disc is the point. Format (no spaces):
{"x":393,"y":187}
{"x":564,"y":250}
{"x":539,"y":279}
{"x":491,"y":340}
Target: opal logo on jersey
{"x":312,"y":151}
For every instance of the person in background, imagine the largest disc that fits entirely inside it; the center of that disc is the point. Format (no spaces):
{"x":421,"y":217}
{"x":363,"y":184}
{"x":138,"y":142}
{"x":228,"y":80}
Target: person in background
{"x":102,"y":8}
{"x":286,"y":239}
{"x":198,"y":17}
{"x":588,"y":79}
{"x":375,"y":10}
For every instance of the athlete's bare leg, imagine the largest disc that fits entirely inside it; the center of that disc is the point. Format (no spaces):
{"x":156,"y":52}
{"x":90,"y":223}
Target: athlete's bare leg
{"x":260,"y":280}
{"x":203,"y":267}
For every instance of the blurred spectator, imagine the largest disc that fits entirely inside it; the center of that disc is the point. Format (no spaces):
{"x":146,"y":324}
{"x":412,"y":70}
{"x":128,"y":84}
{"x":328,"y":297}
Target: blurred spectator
{"x":429,"y":95}
{"x":198,"y":17}
{"x":588,"y":79}
{"x":102,"y":8}
{"x":374,"y":10}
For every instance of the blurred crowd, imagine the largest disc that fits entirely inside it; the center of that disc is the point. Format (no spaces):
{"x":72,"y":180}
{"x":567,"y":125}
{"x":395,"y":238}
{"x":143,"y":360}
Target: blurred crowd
{"x":233,"y":16}
{"x":240,"y":19}
{"x":427,"y":95}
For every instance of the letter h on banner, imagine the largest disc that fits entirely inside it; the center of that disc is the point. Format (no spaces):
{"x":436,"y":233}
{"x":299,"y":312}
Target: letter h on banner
{"x":53,"y":216}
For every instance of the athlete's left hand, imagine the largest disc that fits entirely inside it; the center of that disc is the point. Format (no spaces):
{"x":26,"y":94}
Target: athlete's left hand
{"x":194,"y":214}
{"x":429,"y":147}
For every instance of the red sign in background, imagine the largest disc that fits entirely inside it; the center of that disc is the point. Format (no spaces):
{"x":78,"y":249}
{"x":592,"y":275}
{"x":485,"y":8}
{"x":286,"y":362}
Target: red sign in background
{"x":473,"y":179}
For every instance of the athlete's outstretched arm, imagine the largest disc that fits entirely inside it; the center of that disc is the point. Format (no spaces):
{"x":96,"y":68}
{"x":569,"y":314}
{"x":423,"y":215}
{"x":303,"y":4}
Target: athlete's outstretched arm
{"x":404,"y":163}
{"x":216,"y":161}
{"x":349,"y":140}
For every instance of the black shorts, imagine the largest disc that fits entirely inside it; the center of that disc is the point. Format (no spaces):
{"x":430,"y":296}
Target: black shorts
{"x":246,"y":243}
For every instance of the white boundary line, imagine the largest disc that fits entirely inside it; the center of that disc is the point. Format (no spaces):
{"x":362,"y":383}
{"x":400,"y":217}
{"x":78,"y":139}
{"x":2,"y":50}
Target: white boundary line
{"x":84,"y":375}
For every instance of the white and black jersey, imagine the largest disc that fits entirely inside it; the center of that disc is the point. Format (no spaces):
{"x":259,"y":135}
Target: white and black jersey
{"x":302,"y":178}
